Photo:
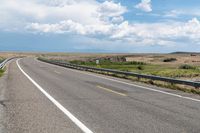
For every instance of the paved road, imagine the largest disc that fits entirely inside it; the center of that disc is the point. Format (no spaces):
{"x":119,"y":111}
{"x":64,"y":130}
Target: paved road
{"x":56,"y":100}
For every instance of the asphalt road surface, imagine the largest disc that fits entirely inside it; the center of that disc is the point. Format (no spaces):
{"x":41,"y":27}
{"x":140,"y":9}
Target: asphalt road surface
{"x":37,"y":97}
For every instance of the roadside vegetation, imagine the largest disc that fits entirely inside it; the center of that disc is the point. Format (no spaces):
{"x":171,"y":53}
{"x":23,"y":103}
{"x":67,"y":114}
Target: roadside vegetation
{"x":185,"y":67}
{"x":1,"y":59}
{"x":182,"y":71}
{"x":1,"y":71}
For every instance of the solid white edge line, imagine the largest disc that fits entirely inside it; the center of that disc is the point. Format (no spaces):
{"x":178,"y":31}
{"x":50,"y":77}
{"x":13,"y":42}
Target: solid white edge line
{"x":130,"y":84}
{"x":62,"y":108}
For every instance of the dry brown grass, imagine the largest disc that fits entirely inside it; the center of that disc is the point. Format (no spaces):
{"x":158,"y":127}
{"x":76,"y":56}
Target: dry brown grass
{"x":14,"y":54}
{"x":77,"y":56}
{"x":147,"y":58}
{"x":158,"y":59}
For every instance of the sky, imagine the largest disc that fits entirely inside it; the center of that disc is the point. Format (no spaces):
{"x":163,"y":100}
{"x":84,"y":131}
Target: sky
{"x":100,"y":26}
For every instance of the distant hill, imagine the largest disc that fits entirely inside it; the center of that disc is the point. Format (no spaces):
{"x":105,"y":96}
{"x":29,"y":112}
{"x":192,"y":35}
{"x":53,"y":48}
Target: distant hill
{"x":185,"y":53}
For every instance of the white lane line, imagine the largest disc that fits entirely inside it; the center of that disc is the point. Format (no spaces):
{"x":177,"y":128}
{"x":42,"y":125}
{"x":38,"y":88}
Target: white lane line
{"x":130,"y":84}
{"x":62,"y":108}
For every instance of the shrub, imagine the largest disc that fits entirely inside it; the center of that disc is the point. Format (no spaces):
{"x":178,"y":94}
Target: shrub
{"x":135,"y":63}
{"x":1,"y":59}
{"x":140,"y":67}
{"x":169,"y":60}
{"x":186,"y":66}
{"x":1,"y":72}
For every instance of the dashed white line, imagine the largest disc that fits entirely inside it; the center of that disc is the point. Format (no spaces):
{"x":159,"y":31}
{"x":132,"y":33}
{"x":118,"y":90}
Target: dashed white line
{"x":62,"y":108}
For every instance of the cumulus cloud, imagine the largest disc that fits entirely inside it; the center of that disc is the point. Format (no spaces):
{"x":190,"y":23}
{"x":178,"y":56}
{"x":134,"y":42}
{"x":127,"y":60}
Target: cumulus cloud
{"x":159,"y":33}
{"x":54,"y":11}
{"x":111,"y":9}
{"x":50,"y":10}
{"x":61,"y":27}
{"x":93,"y":19}
{"x":144,"y":5}
{"x":70,"y":26}
{"x":118,"y":19}
{"x":136,"y":33}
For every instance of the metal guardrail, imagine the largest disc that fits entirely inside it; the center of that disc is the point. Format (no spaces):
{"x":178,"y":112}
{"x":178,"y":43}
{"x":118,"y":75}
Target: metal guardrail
{"x":151,"y":77}
{"x":5,"y":61}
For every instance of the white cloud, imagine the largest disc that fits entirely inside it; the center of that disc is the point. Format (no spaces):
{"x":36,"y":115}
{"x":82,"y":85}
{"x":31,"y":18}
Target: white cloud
{"x":92,"y":19}
{"x":178,"y":12}
{"x":159,"y":33}
{"x":20,"y":12}
{"x":135,"y":33}
{"x":62,"y":27}
{"x":144,"y":5}
{"x":17,"y":13}
{"x":117,"y":19}
{"x":72,"y":27}
{"x":111,"y":9}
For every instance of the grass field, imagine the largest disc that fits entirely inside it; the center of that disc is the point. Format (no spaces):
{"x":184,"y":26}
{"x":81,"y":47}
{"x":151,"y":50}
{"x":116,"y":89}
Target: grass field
{"x":1,"y":72}
{"x":147,"y":68}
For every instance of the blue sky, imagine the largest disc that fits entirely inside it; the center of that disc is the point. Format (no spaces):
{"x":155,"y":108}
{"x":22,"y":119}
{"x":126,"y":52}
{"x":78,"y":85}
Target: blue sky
{"x":133,"y":26}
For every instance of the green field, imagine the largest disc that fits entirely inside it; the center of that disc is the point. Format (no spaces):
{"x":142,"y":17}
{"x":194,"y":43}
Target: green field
{"x":1,"y":59}
{"x":186,"y":71}
{"x":1,"y":72}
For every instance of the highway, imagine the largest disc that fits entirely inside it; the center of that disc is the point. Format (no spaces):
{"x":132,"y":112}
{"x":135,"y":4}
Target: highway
{"x":37,"y":97}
